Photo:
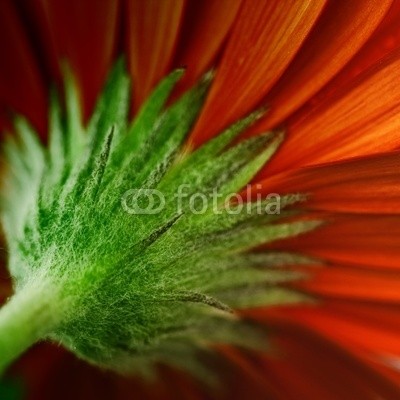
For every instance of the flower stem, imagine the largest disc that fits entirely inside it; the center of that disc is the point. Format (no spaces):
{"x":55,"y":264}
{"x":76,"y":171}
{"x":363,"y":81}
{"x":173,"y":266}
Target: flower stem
{"x":26,"y":318}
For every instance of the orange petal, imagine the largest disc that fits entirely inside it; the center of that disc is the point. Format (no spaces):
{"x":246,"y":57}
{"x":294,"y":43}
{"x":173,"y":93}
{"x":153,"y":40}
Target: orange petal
{"x":369,"y":241}
{"x":205,"y":27}
{"x":349,"y":335}
{"x":385,"y":40}
{"x":152,"y":33}
{"x":21,"y":84}
{"x":340,"y":32}
{"x":372,"y":327}
{"x":363,"y":118}
{"x":265,"y":38}
{"x":363,"y":185}
{"x":352,"y":284}
{"x":315,"y":366}
{"x":88,"y":47}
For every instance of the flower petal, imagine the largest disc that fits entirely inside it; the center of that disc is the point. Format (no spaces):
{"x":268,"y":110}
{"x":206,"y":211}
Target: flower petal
{"x":257,"y":386}
{"x":21,"y":84}
{"x":5,"y":123}
{"x":314,"y":364}
{"x":204,"y":30}
{"x":5,"y":286}
{"x":264,"y":40}
{"x":330,"y":46}
{"x":88,"y":47}
{"x":384,"y":41}
{"x":152,"y":32}
{"x":372,"y":327}
{"x":367,"y":241}
{"x":363,"y":118}
{"x":348,"y":283}
{"x":363,"y":185}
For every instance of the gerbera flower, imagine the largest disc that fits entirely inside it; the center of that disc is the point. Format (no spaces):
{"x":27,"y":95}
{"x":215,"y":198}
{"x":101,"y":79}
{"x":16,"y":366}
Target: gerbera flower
{"x":311,"y":87}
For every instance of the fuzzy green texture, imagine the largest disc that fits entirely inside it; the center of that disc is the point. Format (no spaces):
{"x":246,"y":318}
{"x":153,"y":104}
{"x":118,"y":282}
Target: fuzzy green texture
{"x":126,"y":290}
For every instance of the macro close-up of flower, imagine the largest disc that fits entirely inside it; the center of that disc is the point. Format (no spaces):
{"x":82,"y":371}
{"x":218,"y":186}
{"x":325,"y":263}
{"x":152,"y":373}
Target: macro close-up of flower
{"x":200,"y":199}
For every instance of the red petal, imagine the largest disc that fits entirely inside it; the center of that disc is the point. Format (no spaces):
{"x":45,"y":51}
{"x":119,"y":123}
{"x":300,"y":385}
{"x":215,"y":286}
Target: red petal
{"x":372,"y":327}
{"x":84,"y":33}
{"x":353,"y":284}
{"x":205,"y":27}
{"x":5,"y":285}
{"x":153,"y":28}
{"x":5,"y":123}
{"x":355,"y":338}
{"x":21,"y":84}
{"x":361,"y":119}
{"x":364,"y":185}
{"x":384,"y":41}
{"x":314,"y":367}
{"x":264,"y":40}
{"x":254,"y":384}
{"x":340,"y":32}
{"x":369,"y":241}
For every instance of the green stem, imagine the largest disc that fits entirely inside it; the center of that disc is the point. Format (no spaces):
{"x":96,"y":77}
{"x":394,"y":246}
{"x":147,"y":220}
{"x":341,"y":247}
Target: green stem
{"x":26,"y":318}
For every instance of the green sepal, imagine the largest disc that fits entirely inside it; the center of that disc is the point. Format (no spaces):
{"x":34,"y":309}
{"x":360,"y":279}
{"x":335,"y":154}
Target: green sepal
{"x":132,"y":290}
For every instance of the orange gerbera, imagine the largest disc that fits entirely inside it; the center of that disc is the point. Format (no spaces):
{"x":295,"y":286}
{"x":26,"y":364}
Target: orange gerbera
{"x":328,"y":72}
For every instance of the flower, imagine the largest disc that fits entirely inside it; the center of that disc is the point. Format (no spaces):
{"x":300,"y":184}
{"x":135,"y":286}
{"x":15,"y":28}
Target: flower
{"x":328,"y":72}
